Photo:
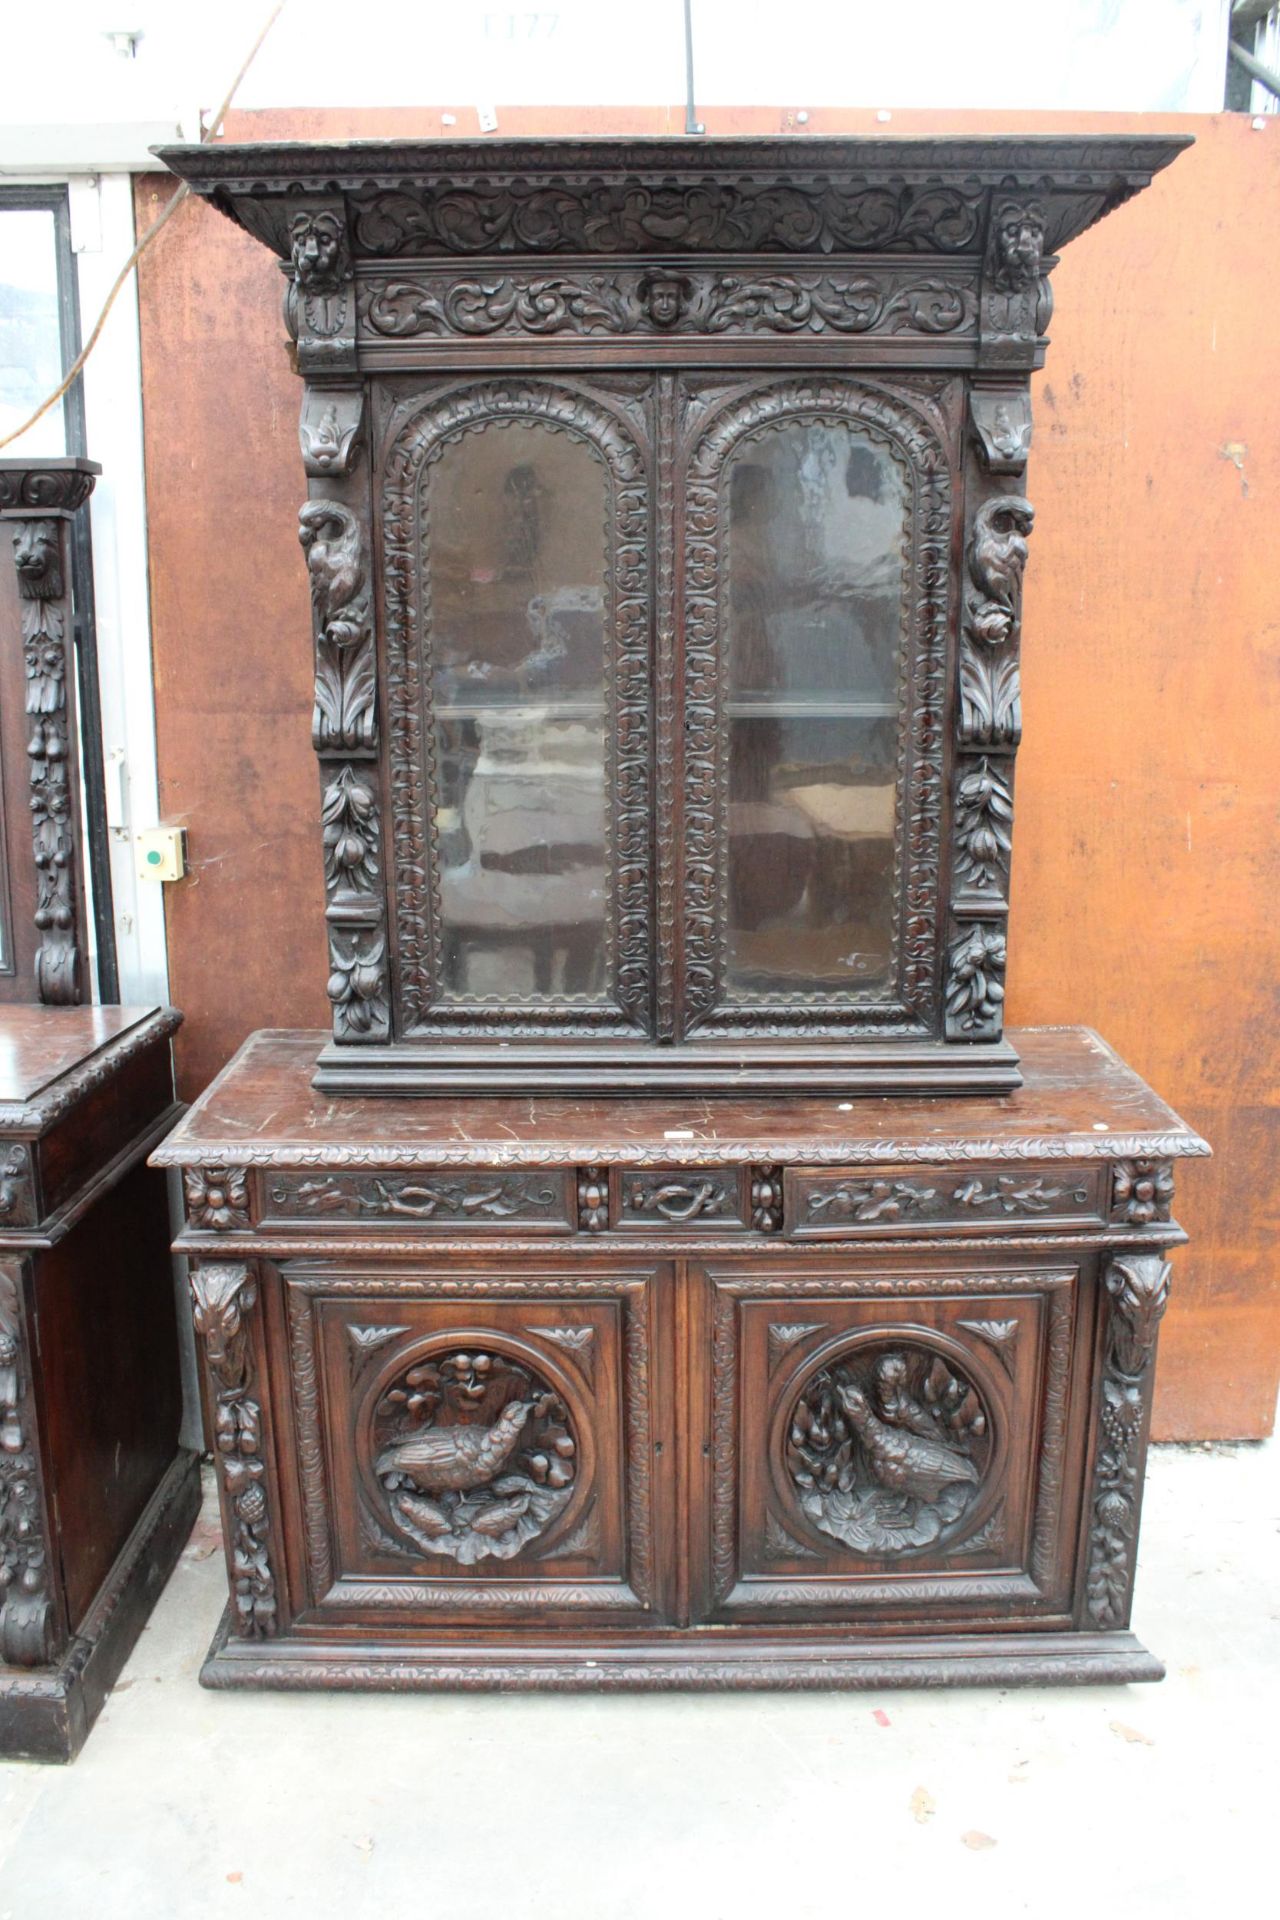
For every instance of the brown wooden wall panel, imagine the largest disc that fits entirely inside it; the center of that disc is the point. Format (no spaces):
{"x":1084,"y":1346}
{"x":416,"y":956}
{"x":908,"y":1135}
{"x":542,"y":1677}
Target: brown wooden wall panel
{"x":1147,"y":862}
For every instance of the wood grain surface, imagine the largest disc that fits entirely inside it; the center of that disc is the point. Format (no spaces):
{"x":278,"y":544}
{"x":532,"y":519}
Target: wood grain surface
{"x":1147,"y":844}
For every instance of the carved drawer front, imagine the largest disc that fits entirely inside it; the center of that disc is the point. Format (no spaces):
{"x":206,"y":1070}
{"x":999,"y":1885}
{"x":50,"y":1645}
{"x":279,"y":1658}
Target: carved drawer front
{"x":518,"y":1202}
{"x":477,"y":1444}
{"x":889,"y":1442}
{"x":875,"y":1203}
{"x":711,"y":1199}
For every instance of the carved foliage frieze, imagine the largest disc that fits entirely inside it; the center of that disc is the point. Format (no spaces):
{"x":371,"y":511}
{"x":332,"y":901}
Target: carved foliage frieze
{"x":26,"y":1608}
{"x":224,"y":1294}
{"x":43,"y":588}
{"x":680,"y":1200}
{"x":419,"y":444}
{"x":630,"y":215}
{"x":1137,"y":1290}
{"x":661,"y":301}
{"x":888,"y":1448}
{"x":474,"y":1456}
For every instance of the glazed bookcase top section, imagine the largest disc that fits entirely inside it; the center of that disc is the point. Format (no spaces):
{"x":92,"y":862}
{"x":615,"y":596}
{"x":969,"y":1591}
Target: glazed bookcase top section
{"x":659,"y":197}
{"x":1079,"y":1101}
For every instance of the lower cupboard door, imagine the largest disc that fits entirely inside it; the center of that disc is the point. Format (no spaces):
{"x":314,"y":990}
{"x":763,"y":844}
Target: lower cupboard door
{"x":893,"y":1446}
{"x":478,"y":1447}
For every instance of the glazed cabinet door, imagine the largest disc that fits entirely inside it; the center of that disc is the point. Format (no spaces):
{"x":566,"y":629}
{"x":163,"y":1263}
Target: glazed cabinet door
{"x":817,"y":519}
{"x":488,"y":1442}
{"x":881,"y":1445}
{"x":514,"y":530}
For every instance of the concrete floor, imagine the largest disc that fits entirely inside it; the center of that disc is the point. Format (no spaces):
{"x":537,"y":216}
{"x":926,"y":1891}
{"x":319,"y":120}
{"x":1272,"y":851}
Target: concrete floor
{"x":1119,"y":1801}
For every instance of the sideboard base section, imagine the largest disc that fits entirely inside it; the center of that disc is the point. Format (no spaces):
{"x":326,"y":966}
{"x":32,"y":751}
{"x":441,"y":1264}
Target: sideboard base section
{"x":48,"y":1713}
{"x":688,"y":1661}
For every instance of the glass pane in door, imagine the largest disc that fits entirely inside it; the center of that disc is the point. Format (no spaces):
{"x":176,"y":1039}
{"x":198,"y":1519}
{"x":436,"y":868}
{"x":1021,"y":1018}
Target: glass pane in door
{"x":816,"y":549}
{"x":519,"y":582}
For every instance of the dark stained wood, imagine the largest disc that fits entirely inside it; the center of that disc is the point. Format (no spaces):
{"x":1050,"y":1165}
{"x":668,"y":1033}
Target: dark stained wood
{"x":1175,"y":851}
{"x":97,"y":1495}
{"x":41,"y":859}
{"x":469,"y":1439}
{"x":747,"y":881}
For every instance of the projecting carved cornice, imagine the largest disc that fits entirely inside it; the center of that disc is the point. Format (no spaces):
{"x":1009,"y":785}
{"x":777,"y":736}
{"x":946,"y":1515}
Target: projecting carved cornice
{"x":662,"y":197}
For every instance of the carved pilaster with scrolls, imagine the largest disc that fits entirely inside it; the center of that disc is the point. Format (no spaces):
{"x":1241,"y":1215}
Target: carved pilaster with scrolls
{"x":37,"y":501}
{"x":224,"y":1294}
{"x":334,"y":537}
{"x":1137,"y":1289}
{"x":320,"y":299}
{"x":27,"y":1616}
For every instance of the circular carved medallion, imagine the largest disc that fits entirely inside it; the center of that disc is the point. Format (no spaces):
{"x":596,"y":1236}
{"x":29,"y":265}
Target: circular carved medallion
{"x":474,"y":1455}
{"x":888,"y":1449}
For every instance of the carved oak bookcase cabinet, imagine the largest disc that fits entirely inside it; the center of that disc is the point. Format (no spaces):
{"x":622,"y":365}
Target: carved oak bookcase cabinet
{"x":665,"y":532}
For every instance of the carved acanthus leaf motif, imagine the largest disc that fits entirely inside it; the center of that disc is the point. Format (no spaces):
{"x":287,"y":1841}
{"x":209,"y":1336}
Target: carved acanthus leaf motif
{"x":223,"y":1294}
{"x":783,"y":1335}
{"x":579,"y":1341}
{"x":1001,"y":1334}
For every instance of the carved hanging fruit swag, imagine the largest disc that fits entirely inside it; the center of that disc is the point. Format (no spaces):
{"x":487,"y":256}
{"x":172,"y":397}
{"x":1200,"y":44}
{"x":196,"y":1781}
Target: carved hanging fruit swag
{"x":475,"y":1456}
{"x":888,"y":1449}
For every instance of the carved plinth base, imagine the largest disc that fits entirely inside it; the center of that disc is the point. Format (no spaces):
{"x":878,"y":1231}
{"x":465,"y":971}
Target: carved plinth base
{"x":689,"y":1662}
{"x":46,"y":1713}
{"x":904,"y":1066}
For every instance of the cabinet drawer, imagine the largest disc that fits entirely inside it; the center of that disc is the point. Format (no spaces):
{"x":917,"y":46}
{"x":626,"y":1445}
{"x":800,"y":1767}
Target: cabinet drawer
{"x":441,"y":1203}
{"x":820,"y":1204}
{"x":710,"y":1199}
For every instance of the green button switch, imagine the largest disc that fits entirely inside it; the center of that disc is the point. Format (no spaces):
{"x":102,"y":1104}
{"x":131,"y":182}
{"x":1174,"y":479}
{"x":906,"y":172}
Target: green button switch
{"x":153,"y":858}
